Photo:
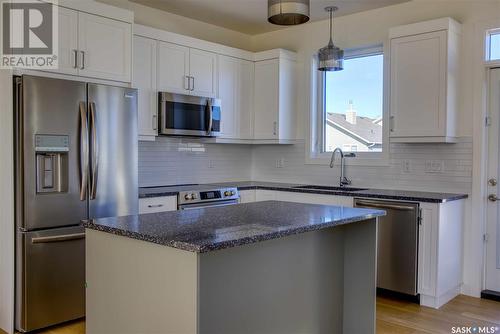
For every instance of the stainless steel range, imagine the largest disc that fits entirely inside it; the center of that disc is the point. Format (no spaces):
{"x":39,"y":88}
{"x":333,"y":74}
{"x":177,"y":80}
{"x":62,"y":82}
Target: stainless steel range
{"x":195,"y":199}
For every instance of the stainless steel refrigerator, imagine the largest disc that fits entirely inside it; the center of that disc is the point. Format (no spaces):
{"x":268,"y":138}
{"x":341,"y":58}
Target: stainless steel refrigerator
{"x":76,"y":158}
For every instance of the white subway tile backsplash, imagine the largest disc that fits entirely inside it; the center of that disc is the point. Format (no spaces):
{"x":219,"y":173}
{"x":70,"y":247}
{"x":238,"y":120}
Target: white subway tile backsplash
{"x":170,"y":161}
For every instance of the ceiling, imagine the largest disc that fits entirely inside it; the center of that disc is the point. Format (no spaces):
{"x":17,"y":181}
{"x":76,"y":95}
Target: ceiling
{"x":250,"y":16}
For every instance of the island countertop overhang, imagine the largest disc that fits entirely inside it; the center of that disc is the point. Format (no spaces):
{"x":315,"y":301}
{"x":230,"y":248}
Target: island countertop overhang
{"x":212,"y":229}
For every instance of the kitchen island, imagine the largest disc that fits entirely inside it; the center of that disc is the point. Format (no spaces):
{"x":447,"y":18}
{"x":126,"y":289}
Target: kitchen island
{"x":266,"y":267}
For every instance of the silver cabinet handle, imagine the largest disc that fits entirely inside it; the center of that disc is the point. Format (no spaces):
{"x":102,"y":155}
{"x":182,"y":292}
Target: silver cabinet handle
{"x":493,"y":198}
{"x":58,"y":238}
{"x":391,"y":124}
{"x":275,"y":126}
{"x":95,"y":151}
{"x":82,"y":67}
{"x":155,"y":122}
{"x":187,"y":82}
{"x":84,"y":152}
{"x":75,"y":58}
{"x":193,"y":84}
{"x":155,"y":205}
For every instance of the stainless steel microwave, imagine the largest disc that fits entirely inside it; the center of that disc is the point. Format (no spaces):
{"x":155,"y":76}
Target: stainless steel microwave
{"x":186,"y":115}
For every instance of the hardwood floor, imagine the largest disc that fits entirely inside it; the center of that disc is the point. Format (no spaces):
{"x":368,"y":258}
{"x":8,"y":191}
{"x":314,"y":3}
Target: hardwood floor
{"x":394,"y":316}
{"x":398,"y":317}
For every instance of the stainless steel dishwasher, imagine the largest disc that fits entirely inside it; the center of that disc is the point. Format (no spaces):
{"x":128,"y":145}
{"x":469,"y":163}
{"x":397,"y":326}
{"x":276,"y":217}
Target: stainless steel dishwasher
{"x":397,"y":250}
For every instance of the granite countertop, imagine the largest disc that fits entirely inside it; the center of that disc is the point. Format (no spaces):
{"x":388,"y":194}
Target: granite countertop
{"x":210,"y":229}
{"x":401,"y":195}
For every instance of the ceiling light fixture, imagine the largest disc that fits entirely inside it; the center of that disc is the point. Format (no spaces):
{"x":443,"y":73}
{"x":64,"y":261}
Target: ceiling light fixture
{"x":288,"y":12}
{"x":331,"y":58}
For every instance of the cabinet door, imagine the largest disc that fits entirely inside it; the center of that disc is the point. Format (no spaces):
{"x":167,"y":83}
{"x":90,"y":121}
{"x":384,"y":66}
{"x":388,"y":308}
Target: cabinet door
{"x":106,"y":47}
{"x":173,"y":68}
{"x":418,"y":85}
{"x":247,"y":196}
{"x":202,"y":68}
{"x":68,"y":41}
{"x":245,"y":99}
{"x":228,"y":93}
{"x":265,"y":195}
{"x":266,"y":94}
{"x":144,"y":79}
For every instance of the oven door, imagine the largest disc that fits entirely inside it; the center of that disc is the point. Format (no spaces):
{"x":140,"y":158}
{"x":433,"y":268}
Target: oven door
{"x":207,"y":205}
{"x":185,"y":115}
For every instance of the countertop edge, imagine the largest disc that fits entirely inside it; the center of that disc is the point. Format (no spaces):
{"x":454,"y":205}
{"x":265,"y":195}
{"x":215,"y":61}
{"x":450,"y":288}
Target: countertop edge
{"x":89,"y":224}
{"x":361,"y":194}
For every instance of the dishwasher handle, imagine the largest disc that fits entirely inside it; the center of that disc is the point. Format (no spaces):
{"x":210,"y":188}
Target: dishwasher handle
{"x":378,"y":205}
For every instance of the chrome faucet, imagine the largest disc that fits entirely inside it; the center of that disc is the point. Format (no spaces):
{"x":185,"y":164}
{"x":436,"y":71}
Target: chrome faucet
{"x":344,"y":181}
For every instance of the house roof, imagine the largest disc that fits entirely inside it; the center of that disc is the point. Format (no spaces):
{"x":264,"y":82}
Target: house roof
{"x":366,"y":129}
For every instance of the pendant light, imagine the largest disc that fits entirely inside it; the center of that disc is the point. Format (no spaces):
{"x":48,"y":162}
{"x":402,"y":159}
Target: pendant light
{"x":287,"y":12}
{"x":331,"y":58}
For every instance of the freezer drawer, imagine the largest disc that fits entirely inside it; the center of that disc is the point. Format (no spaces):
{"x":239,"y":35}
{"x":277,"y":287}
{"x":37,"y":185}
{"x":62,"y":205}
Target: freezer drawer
{"x":50,"y":277}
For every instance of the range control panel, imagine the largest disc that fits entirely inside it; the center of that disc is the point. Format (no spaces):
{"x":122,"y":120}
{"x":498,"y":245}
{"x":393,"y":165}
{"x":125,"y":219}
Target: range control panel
{"x":196,"y":196}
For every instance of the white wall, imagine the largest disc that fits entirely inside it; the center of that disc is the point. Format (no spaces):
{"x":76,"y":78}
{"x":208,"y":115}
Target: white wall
{"x":182,"y":25}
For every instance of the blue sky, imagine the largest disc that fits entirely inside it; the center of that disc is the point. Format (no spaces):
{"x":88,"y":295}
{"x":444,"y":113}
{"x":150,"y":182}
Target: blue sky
{"x":362,"y":82}
{"x":495,"y":47}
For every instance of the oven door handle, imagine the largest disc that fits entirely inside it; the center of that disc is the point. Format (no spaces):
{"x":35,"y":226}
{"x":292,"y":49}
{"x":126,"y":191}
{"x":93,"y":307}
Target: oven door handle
{"x":206,"y":205}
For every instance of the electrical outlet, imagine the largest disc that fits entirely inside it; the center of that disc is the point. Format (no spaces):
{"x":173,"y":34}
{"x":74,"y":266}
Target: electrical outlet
{"x":406,"y":166}
{"x":434,"y":166}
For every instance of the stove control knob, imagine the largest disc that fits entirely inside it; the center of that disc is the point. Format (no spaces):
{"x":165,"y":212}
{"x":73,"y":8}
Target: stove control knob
{"x":188,"y":197}
{"x":194,"y":196}
{"x":227,"y":193}
{"x":233,"y":193}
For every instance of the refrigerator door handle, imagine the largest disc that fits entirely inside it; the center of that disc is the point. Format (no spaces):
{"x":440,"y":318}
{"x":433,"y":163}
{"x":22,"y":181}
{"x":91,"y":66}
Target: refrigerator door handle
{"x":84,"y":152}
{"x":58,"y":238}
{"x":95,"y":151}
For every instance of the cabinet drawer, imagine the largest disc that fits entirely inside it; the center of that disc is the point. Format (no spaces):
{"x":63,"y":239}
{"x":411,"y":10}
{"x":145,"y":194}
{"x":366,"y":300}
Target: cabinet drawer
{"x":157,"y":204}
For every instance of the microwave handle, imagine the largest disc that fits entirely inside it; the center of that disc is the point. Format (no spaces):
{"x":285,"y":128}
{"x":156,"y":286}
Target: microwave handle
{"x":210,"y":116}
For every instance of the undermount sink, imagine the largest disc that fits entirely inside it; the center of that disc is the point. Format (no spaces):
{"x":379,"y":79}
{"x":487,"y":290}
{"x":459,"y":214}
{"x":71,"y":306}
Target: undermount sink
{"x":329,"y":188}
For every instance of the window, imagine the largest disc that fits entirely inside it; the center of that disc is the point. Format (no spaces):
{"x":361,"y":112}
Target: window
{"x":494,"y":42}
{"x":352,"y":104}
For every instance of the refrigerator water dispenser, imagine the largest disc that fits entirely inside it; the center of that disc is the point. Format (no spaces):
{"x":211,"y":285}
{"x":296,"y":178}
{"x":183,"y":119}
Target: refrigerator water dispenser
{"x":51,"y":163}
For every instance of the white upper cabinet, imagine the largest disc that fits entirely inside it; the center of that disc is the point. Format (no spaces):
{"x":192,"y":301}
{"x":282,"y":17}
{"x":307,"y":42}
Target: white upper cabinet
{"x":184,"y":70}
{"x":93,"y":45}
{"x":105,"y":47}
{"x":424,"y":81}
{"x":68,"y":41}
{"x":236,"y":94}
{"x":246,"y":99}
{"x":203,"y":72}
{"x":173,"y":68}
{"x":144,"y":79}
{"x":274,"y":97}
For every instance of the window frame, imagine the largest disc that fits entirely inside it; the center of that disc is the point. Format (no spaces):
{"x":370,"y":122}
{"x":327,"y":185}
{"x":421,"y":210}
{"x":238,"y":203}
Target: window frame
{"x":317,"y":119}
{"x":487,"y":51}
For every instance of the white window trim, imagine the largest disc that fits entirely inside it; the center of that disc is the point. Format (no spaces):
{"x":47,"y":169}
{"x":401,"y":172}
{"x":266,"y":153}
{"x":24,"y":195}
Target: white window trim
{"x":314,"y":155}
{"x":487,"y":44}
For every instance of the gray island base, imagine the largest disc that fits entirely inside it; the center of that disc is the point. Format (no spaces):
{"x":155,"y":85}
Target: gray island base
{"x":299,"y":268}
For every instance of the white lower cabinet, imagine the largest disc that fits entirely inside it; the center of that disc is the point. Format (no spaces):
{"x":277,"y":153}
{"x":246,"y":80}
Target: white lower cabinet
{"x":247,"y":196}
{"x":286,"y":196}
{"x":440,"y":252}
{"x":157,"y":204}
